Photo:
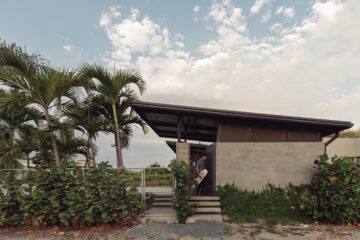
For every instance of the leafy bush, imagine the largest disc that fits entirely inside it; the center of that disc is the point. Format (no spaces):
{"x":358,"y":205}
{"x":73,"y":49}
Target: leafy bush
{"x":181,"y":191}
{"x":10,"y":204}
{"x":274,"y":204}
{"x":334,"y":192}
{"x":76,"y":197}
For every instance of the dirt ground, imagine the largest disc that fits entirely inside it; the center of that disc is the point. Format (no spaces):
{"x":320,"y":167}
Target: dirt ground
{"x":292,"y":231}
{"x":204,"y":231}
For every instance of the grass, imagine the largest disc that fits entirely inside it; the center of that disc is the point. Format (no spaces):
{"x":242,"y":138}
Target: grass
{"x":273,"y":204}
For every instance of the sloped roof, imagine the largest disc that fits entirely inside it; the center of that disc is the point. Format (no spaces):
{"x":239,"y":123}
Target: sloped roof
{"x":201,"y":123}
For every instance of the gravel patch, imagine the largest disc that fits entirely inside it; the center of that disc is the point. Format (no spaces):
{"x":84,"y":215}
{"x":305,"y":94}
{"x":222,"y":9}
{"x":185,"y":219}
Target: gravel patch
{"x":163,"y":231}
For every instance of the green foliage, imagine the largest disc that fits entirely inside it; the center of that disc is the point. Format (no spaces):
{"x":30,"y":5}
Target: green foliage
{"x":181,"y":190}
{"x":91,"y":99}
{"x":334,"y":192}
{"x":69,"y":197}
{"x":10,"y":204}
{"x":274,"y":204}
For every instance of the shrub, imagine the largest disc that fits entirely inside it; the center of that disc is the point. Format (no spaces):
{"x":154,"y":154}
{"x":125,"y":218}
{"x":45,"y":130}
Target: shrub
{"x":10,"y":203}
{"x":181,"y":190}
{"x":334,"y":191}
{"x":274,"y":204}
{"x":59,"y":197}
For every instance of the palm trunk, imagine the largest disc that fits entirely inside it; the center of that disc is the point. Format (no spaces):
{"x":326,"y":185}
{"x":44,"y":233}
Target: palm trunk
{"x":12,"y":133}
{"x":117,"y":142}
{"x":92,"y":151}
{"x":53,"y":139}
{"x":27,"y":161}
{"x":87,"y":153}
{"x":65,"y":160}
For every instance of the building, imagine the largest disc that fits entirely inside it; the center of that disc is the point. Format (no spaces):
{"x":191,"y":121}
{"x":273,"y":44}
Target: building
{"x":248,"y":149}
{"x":344,"y":147}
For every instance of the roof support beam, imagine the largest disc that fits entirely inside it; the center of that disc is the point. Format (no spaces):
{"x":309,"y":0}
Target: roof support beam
{"x":183,"y":126}
{"x":178,"y":128}
{"x":331,"y":140}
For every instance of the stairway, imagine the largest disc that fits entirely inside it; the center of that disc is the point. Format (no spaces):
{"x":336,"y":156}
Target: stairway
{"x":205,"y":209}
{"x":161,"y":211}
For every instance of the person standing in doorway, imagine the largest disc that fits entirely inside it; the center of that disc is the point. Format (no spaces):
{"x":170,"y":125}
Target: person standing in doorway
{"x":200,"y":167}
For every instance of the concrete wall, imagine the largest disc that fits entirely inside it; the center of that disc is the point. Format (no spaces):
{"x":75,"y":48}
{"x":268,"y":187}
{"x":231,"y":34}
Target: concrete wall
{"x":349,"y":147}
{"x":252,"y":165}
{"x":183,"y":152}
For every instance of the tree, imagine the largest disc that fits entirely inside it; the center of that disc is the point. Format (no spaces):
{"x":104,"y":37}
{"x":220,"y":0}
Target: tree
{"x":37,"y":82}
{"x":114,"y":88}
{"x":12,"y":117}
{"x":69,"y":145}
{"x":84,"y":117}
{"x":27,"y":141}
{"x":125,"y":115}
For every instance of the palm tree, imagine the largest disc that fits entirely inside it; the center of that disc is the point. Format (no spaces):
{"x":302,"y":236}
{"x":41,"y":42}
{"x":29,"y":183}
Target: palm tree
{"x":27,"y":141}
{"x":37,"y":82}
{"x":114,"y":88}
{"x":69,"y":145}
{"x":84,"y":118}
{"x":13,"y":115}
{"x":126,"y":118}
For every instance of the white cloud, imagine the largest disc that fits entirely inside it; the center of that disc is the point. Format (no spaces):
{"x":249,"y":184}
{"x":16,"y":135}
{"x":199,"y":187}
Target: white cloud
{"x":294,"y":72}
{"x":71,"y":48}
{"x":134,"y":35}
{"x":287,"y":12}
{"x":67,"y":48}
{"x":196,"y":8}
{"x":276,"y":27}
{"x":266,"y":16}
{"x":226,"y":15}
{"x":257,"y":6}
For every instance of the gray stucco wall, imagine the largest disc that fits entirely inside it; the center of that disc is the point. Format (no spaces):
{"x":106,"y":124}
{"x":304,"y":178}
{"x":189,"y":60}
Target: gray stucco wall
{"x":252,"y":165}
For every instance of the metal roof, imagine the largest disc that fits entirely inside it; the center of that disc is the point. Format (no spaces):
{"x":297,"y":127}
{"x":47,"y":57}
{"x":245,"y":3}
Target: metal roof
{"x":201,"y":123}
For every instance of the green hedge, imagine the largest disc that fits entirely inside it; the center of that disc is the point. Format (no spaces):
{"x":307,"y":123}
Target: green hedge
{"x":58,"y":197}
{"x":334,"y":192}
{"x":273,"y":204}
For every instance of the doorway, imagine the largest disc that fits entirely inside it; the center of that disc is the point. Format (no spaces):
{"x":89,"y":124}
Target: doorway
{"x":195,"y":153}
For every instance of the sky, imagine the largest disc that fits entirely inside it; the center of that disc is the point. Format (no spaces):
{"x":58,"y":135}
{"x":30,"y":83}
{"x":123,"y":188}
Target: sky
{"x":298,"y":58}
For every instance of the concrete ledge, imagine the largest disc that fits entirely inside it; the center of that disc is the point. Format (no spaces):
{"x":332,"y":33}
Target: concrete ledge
{"x":207,"y":210}
{"x":204,"y":198}
{"x":204,"y":218}
{"x":160,"y":219}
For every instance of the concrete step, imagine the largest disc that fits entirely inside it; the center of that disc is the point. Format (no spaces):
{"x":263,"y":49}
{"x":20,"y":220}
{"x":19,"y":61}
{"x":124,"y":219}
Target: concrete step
{"x":160,"y":211}
{"x":207,"y":210}
{"x":159,"y":219}
{"x":163,"y":199}
{"x":162,"y":204}
{"x":160,"y":215}
{"x":204,"y":198}
{"x":205,"y":204}
{"x":204,"y":218}
{"x":163,"y":195}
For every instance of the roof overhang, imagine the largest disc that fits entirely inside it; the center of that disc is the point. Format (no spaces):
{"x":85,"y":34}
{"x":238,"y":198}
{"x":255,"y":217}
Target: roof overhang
{"x":195,"y":148}
{"x":200,"y":124}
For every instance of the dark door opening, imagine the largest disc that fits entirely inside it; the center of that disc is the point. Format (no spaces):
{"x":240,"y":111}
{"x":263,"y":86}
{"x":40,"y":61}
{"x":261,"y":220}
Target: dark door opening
{"x":195,"y":153}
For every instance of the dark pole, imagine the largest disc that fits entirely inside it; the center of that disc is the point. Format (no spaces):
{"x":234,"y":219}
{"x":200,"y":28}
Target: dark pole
{"x":331,"y":140}
{"x":178,"y":128}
